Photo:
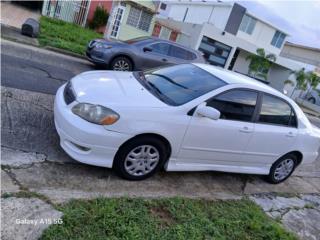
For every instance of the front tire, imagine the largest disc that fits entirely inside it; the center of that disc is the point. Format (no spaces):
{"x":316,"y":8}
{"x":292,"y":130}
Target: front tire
{"x":140,"y":158}
{"x":121,"y":64}
{"x":282,"y":169}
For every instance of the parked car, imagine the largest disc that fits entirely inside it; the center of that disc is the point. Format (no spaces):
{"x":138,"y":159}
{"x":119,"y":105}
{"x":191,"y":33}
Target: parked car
{"x":314,"y":96}
{"x":189,"y":117}
{"x":140,"y":53}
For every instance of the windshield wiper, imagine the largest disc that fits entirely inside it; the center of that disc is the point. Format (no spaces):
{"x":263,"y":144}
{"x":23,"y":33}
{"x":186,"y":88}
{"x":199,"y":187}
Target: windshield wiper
{"x":171,"y":81}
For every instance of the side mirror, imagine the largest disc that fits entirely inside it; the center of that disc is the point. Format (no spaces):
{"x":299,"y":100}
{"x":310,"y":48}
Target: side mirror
{"x":208,"y":112}
{"x":147,"y":49}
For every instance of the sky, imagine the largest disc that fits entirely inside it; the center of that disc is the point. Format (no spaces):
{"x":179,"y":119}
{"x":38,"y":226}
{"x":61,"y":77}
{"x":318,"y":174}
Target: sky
{"x":301,"y":19}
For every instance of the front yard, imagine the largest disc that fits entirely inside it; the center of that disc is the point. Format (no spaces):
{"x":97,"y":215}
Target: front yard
{"x":60,"y":34}
{"x":173,"y":218}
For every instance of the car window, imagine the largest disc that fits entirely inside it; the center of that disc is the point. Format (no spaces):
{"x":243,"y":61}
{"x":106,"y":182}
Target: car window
{"x":276,"y":111}
{"x":235,"y":104}
{"x":161,"y":48}
{"x":181,"y":53}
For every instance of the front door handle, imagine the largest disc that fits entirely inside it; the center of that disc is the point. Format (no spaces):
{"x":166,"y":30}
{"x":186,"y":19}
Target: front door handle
{"x":164,"y":60}
{"x":290,"y":134}
{"x":246,"y":130}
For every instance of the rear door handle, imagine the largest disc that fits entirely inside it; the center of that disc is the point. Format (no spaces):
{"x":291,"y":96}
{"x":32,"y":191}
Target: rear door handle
{"x":164,"y":60}
{"x":246,"y":130}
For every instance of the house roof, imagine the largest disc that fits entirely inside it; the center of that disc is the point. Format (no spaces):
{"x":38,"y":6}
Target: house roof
{"x":302,"y":46}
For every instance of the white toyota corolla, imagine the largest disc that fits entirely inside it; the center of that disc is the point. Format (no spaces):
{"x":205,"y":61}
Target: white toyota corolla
{"x":190,"y":117}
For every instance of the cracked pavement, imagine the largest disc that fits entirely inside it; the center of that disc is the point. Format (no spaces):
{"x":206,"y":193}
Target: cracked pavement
{"x":33,"y":161}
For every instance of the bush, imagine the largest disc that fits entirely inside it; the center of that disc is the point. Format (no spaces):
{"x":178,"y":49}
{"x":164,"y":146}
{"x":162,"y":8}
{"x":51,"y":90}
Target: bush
{"x":100,"y":18}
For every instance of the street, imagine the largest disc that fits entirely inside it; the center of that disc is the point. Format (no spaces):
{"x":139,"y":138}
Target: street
{"x":33,"y":159}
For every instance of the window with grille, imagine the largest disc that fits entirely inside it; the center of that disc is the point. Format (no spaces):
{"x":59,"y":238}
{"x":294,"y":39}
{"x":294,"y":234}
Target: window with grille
{"x":139,"y":18}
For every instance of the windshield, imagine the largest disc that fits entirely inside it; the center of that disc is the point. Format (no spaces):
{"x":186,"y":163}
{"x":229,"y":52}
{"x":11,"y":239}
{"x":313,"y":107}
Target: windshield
{"x":179,"y":84}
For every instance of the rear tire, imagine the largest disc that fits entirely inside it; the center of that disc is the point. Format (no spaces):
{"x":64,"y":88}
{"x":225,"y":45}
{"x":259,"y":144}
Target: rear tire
{"x":312,"y":100}
{"x":282,"y":169}
{"x":140,"y":158}
{"x":121,"y":64}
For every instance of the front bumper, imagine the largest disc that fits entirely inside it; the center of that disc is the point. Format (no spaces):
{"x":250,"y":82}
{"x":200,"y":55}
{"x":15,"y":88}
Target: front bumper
{"x":83,"y":141}
{"x":95,"y":56}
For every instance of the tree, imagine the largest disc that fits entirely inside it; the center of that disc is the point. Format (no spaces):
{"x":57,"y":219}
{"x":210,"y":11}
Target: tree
{"x":313,"y":80}
{"x":303,"y":79}
{"x":260,"y":63}
{"x":100,"y":18}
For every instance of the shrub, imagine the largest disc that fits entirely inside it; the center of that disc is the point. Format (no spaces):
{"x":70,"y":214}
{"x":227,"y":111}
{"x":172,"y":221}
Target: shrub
{"x":100,"y":18}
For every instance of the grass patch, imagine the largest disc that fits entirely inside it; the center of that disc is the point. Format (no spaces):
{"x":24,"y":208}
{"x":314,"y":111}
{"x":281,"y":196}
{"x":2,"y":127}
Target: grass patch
{"x":174,"y":218}
{"x":68,"y":36}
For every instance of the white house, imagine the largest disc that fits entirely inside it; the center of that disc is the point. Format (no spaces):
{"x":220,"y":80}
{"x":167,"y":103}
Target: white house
{"x":227,"y":33}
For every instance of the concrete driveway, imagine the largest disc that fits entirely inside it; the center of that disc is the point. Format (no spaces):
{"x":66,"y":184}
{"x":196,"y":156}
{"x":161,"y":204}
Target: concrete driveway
{"x":33,"y":161}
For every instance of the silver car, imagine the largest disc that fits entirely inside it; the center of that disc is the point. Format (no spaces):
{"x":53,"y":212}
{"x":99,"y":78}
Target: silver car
{"x":140,"y":54}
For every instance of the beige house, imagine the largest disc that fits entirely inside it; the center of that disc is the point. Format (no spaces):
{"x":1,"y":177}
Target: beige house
{"x":131,"y":19}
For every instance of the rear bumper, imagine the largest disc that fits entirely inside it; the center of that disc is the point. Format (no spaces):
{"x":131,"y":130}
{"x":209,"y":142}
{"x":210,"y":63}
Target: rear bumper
{"x":83,"y":141}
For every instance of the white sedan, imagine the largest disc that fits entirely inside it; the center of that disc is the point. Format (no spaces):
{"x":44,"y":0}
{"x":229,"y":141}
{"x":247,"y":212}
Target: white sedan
{"x":190,"y":117}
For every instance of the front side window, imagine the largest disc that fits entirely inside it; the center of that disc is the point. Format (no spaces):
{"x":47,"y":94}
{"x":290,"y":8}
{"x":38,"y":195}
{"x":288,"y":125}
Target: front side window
{"x":278,"y":39}
{"x":247,"y":24}
{"x":178,"y":52}
{"x":161,"y":48}
{"x":179,"y":84}
{"x":139,"y":19}
{"x":236,"y":105}
{"x":276,"y":111}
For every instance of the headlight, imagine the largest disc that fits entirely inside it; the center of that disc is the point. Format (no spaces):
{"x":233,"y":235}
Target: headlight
{"x":103,"y":45}
{"x":95,"y":113}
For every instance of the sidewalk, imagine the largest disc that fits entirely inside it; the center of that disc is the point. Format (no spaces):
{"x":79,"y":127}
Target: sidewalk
{"x":15,"y":15}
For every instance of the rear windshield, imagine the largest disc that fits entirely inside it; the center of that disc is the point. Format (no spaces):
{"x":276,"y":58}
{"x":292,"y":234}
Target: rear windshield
{"x":179,"y":84}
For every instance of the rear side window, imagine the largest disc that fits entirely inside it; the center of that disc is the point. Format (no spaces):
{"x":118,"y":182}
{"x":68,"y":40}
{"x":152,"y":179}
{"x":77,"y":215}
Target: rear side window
{"x":235,"y":104}
{"x":181,"y":53}
{"x":161,"y":48}
{"x":276,"y":111}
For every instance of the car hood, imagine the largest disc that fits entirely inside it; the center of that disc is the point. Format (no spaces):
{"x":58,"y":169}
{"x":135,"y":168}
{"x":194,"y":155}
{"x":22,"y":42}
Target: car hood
{"x":111,"y":88}
{"x":110,"y":42}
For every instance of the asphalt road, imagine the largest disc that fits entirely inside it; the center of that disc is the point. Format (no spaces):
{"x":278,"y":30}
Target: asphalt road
{"x":29,"y":68}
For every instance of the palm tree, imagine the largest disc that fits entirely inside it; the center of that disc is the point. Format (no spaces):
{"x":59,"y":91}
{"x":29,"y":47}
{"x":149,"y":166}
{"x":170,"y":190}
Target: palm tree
{"x":301,"y":81}
{"x":260,"y":63}
{"x":313,"y":80}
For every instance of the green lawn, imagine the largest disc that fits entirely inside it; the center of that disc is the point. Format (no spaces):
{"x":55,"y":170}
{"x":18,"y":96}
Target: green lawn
{"x":175,"y":218}
{"x":60,"y":34}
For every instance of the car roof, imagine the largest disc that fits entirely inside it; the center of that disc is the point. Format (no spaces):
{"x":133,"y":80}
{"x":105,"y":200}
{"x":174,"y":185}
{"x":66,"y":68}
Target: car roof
{"x":231,"y":77}
{"x":155,"y":39}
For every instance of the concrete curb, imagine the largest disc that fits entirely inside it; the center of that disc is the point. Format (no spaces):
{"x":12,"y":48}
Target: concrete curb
{"x":65,"y":52}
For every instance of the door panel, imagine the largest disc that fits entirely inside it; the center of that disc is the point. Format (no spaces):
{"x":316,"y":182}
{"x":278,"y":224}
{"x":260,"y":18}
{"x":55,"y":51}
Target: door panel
{"x":269,"y":142}
{"x":215,"y":141}
{"x":157,"y":57}
{"x":222,"y":141}
{"x":275,"y":131}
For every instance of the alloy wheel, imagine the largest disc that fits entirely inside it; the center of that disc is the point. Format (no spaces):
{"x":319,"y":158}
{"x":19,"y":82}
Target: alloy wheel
{"x":284,"y":169}
{"x":141,"y":160}
{"x":121,"y":65}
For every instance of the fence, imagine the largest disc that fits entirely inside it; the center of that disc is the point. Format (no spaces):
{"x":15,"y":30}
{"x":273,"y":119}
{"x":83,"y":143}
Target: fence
{"x":70,"y":11}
